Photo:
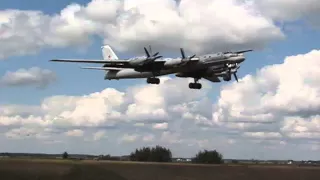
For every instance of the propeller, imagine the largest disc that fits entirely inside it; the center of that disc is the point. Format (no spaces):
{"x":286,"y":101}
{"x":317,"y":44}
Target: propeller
{"x":149,"y":57}
{"x":235,"y":76}
{"x":235,"y":72}
{"x":184,"y":56}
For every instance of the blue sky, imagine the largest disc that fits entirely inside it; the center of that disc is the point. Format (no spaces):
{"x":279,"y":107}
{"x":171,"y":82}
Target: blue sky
{"x":300,"y":38}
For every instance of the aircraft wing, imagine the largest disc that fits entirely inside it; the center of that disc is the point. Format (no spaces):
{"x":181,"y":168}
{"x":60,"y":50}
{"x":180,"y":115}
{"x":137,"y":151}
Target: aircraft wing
{"x":104,"y":68}
{"x":213,"y":79}
{"x":91,"y":61}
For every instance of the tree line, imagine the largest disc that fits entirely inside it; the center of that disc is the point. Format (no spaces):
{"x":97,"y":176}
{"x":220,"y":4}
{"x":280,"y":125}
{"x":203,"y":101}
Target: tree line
{"x":162,"y":154}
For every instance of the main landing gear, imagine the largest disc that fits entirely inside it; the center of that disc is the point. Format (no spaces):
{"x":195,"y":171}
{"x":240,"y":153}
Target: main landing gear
{"x":195,"y":85}
{"x":227,"y":78}
{"x":153,"y":80}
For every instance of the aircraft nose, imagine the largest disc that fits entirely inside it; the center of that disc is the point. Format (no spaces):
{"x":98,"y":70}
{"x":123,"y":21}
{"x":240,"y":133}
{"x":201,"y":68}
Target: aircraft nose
{"x":240,"y":58}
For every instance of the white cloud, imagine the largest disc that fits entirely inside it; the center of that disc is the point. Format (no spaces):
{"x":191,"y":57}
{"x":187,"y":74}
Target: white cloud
{"x":148,"y":138}
{"x":75,"y":132}
{"x":99,"y":135}
{"x":129,"y":137}
{"x":290,"y":10}
{"x":20,"y":133}
{"x":34,"y":76}
{"x":28,"y":132}
{"x":278,"y":108}
{"x":105,"y":114}
{"x":160,"y":126}
{"x":281,"y":101}
{"x":106,"y":108}
{"x":128,"y":25}
{"x":263,"y":134}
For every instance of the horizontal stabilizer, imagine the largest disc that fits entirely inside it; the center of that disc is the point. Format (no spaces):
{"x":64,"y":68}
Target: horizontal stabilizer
{"x":103,"y":68}
{"x":89,"y":61}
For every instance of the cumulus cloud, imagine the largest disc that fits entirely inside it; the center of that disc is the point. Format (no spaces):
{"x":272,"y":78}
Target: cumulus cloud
{"x":74,"y":132}
{"x":106,"y":116}
{"x":280,"y":102}
{"x":290,"y":10}
{"x":28,"y":132}
{"x":108,"y":107}
{"x":34,"y":76}
{"x":160,"y":126}
{"x":129,"y":137}
{"x":277,"y":108}
{"x":128,"y":25}
{"x":99,"y":135}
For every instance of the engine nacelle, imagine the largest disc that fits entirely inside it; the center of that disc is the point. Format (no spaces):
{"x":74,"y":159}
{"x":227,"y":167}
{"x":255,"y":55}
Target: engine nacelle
{"x":213,"y":71}
{"x":208,"y":73}
{"x":137,"y":61}
{"x":172,"y":62}
{"x":183,"y":74}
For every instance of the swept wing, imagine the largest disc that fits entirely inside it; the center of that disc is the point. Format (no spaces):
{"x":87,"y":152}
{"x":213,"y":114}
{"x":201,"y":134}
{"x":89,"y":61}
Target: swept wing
{"x":90,"y":61}
{"x":103,"y":68}
{"x":212,"y":79}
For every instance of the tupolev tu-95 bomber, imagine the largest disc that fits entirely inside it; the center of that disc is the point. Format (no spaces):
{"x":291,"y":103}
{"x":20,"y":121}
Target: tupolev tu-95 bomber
{"x":207,"y":66}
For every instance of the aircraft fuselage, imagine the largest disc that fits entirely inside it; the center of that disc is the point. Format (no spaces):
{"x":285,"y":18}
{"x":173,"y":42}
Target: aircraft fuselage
{"x":204,"y":62}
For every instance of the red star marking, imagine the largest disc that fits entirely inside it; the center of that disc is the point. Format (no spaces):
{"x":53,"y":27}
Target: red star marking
{"x":109,"y":56}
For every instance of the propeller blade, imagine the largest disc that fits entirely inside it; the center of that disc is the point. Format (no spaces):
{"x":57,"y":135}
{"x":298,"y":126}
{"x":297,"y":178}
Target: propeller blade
{"x":192,"y":56}
{"x":182,"y":53}
{"x":156,"y":53}
{"x":235,"y":76}
{"x":157,"y":57}
{"x":150,"y":50}
{"x":146,"y":51}
{"x":244,"y":51}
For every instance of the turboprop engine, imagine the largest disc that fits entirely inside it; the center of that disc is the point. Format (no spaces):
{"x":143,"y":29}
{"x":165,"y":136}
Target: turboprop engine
{"x":172,"y":62}
{"x":144,"y":60}
{"x":179,"y":61}
{"x":208,"y":72}
{"x":220,"y":71}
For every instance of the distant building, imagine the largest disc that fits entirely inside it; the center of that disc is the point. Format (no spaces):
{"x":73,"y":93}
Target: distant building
{"x":181,"y":160}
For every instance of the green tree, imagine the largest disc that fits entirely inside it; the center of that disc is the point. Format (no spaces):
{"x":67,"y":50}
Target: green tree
{"x":208,"y":157}
{"x":65,"y":155}
{"x":154,"y":154}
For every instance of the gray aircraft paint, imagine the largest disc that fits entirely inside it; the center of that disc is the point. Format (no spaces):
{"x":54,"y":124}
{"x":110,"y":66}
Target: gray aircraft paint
{"x":132,"y":74}
{"x":205,"y":62}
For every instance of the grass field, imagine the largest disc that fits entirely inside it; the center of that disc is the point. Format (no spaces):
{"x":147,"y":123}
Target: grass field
{"x":97,"y":170}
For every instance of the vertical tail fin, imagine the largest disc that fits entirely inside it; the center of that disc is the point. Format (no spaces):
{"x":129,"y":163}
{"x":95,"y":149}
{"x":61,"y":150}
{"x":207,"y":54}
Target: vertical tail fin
{"x":108,"y":53}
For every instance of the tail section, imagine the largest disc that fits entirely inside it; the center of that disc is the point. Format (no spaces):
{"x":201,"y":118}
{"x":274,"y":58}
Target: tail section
{"x":108,"y":53}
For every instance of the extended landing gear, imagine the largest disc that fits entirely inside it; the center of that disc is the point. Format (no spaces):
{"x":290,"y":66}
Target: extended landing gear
{"x":153,"y":80}
{"x":227,"y":78}
{"x":195,"y":85}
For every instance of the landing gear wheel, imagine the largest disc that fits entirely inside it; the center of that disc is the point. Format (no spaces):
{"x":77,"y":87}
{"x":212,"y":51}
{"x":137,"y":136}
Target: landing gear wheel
{"x":153,"y":80}
{"x":227,"y":78}
{"x":195,"y":85}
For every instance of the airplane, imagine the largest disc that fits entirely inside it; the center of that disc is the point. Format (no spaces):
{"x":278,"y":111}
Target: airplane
{"x":207,"y":66}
